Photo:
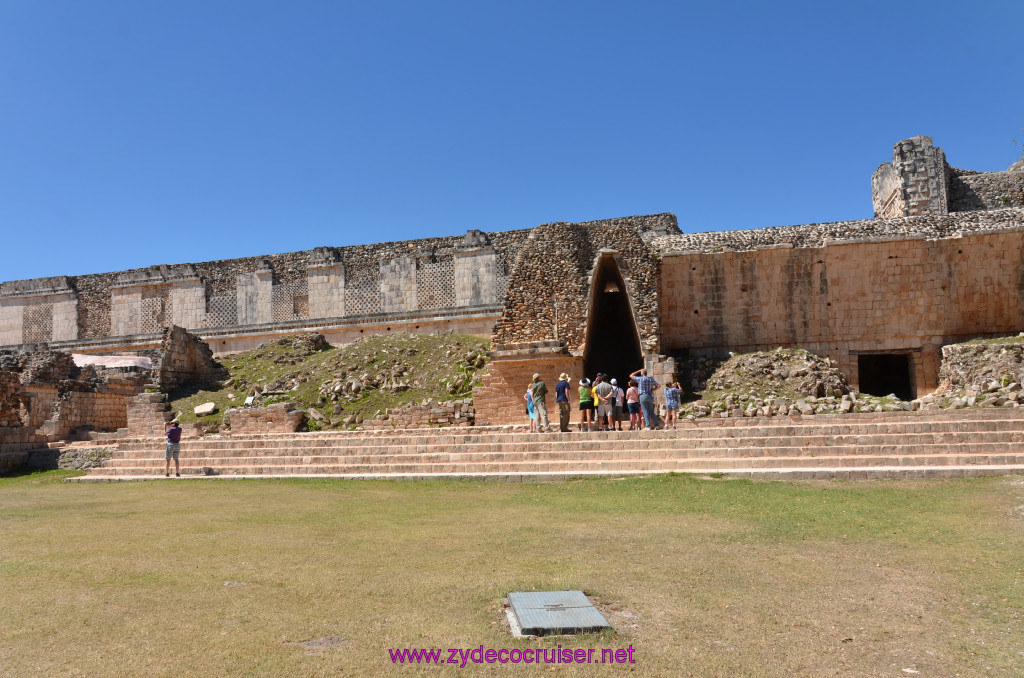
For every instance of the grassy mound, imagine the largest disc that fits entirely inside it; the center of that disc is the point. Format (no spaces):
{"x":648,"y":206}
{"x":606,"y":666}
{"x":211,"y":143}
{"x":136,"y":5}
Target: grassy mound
{"x":348,"y":383}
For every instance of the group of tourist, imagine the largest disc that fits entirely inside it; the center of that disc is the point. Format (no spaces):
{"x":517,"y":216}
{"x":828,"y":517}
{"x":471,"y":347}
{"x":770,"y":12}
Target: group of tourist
{"x":603,"y":404}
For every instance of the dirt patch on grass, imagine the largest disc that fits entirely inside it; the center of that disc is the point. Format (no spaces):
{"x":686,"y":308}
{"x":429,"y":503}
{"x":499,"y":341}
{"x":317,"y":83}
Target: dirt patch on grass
{"x":318,"y":645}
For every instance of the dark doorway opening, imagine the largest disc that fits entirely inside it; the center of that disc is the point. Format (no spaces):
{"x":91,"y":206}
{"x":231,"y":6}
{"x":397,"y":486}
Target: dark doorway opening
{"x":883,"y":373}
{"x":613,"y":343}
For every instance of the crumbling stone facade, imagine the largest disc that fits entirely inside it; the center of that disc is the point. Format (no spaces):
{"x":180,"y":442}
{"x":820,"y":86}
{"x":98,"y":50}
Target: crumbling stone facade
{"x":185,"y":359}
{"x":918,"y":181}
{"x":426,"y":280}
{"x":425,"y":415}
{"x":276,"y":418}
{"x":549,"y":288}
{"x":44,"y":396}
{"x":942,"y":261}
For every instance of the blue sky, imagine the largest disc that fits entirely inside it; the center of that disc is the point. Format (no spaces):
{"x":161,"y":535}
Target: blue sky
{"x":144,"y":132}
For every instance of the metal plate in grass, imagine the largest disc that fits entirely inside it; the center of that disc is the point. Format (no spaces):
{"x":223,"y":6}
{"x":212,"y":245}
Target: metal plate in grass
{"x":543,"y":613}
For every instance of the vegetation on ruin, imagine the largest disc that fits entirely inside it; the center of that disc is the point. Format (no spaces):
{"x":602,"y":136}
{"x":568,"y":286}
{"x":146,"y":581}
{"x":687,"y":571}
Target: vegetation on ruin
{"x":1014,"y":339}
{"x":702,"y":577}
{"x":335,"y":384}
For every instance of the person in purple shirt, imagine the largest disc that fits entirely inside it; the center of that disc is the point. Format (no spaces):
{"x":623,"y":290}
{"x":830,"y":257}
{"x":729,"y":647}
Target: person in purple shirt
{"x":173,"y":433}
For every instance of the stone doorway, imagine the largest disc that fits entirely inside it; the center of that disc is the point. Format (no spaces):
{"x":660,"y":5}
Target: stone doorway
{"x":880,"y":374}
{"x":612,"y":341}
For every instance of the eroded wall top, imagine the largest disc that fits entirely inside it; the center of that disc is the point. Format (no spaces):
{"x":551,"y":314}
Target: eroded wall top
{"x":919,"y":181}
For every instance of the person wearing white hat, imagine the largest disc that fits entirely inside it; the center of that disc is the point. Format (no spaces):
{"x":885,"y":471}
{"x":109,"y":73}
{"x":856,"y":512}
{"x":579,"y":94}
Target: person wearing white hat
{"x":617,"y":399}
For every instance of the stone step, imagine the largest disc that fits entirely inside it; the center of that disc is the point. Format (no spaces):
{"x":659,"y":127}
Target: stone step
{"x":594,"y":445}
{"x":440,"y":453}
{"x":827,"y":444}
{"x":694,"y":434}
{"x":609,"y":466}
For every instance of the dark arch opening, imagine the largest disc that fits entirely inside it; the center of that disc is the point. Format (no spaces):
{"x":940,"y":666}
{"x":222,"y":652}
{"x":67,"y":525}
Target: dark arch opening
{"x":880,"y":374}
{"x":613,"y":343}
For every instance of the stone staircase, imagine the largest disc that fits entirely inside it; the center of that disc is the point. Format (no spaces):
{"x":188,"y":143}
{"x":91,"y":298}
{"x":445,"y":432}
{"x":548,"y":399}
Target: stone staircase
{"x":956,"y":443}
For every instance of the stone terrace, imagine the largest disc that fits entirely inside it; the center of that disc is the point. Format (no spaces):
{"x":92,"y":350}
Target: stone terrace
{"x":934,"y":444}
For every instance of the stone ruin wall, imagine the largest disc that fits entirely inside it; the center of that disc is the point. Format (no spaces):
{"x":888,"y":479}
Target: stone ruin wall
{"x":447,"y":273}
{"x":185,"y":358}
{"x":46,"y":397}
{"x":276,"y":418}
{"x":969,"y":190}
{"x":556,"y":263}
{"x":900,"y":285}
{"x":536,"y":335}
{"x":919,"y":181}
{"x":43,"y":394}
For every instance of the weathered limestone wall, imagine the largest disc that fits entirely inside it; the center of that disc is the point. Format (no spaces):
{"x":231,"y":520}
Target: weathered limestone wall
{"x":918,"y":181}
{"x":325,"y":283}
{"x":37,"y":310}
{"x":277,"y":418}
{"x":17,"y":445}
{"x":103,"y":410}
{"x":548,"y":292}
{"x":44,"y":392}
{"x":914,"y":183}
{"x":477,"y":277}
{"x":393,"y":279}
{"x":510,"y":372}
{"x":425,"y":415}
{"x":147,"y":414}
{"x":185,"y":358}
{"x":970,"y":190}
{"x":10,"y":400}
{"x":342,"y":331}
{"x":845,"y":298}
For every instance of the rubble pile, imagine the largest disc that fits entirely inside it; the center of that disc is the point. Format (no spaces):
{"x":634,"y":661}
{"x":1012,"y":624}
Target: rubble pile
{"x":982,"y":374}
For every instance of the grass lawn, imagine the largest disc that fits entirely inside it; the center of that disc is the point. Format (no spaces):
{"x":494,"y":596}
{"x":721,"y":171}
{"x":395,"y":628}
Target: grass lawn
{"x":700,"y":577}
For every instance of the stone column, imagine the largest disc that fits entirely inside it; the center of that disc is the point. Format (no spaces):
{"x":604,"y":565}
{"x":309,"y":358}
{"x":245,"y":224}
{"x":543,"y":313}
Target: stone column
{"x":325,"y":280}
{"x":188,"y":304}
{"x":12,"y":313}
{"x":254,"y":294}
{"x":476,"y":277}
{"x":125,"y":311}
{"x":398,"y":285}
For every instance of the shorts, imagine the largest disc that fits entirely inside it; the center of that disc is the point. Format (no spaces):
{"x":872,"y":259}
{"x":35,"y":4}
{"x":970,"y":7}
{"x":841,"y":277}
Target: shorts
{"x":671,"y":406}
{"x":604,"y":410}
{"x":618,"y":412}
{"x":172,"y":451}
{"x":586,"y":405}
{"x":634,"y":408}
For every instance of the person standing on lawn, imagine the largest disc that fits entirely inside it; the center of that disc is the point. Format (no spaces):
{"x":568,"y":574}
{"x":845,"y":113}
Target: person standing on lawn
{"x":173,"y":433}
